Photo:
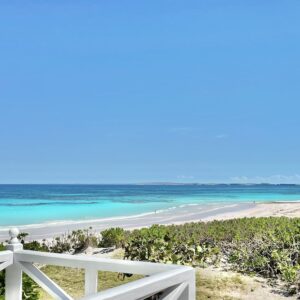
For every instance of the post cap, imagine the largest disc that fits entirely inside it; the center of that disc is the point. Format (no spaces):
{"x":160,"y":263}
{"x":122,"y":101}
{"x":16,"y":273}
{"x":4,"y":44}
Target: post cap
{"x":13,"y":233}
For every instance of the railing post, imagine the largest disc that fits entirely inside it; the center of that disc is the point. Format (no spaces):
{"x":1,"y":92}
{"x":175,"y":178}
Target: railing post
{"x":192,"y":285}
{"x":189,"y":293}
{"x":13,"y":273}
{"x":91,"y":281}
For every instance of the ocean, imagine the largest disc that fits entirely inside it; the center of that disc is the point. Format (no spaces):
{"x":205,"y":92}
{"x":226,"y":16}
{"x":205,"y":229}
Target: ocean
{"x":37,"y":204}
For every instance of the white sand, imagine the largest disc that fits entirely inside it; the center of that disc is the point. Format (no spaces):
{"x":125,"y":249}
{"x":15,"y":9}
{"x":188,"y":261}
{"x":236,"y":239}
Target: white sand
{"x":272,"y":209}
{"x":192,"y":213}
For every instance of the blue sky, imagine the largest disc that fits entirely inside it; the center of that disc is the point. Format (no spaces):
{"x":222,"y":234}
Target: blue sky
{"x":142,"y":91}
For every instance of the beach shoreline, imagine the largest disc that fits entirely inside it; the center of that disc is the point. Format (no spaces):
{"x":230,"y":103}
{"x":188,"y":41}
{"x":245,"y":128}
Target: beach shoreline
{"x":175,"y":215}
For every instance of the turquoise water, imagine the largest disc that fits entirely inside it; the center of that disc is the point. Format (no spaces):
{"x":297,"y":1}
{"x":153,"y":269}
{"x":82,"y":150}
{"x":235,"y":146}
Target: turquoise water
{"x":34,"y":204}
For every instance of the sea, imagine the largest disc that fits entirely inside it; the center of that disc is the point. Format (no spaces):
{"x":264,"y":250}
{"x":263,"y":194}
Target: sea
{"x":39,"y":204}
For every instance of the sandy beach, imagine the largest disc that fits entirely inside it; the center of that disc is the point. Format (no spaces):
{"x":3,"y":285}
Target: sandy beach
{"x":270,"y":209}
{"x":179,"y":215}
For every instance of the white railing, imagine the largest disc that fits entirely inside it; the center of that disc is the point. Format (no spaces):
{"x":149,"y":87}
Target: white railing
{"x":172,"y":282}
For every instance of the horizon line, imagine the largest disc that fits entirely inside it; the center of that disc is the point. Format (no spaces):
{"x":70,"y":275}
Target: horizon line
{"x":156,"y":183}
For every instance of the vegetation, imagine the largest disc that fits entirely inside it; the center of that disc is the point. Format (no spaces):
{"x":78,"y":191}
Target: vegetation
{"x":113,"y":237}
{"x":72,"y":280}
{"x":170,"y":244}
{"x":30,"y":288}
{"x":268,"y":247}
{"x":74,"y":242}
{"x":219,"y":287}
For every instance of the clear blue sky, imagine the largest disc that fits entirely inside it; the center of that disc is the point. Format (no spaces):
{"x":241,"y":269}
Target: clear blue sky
{"x":139,"y":91}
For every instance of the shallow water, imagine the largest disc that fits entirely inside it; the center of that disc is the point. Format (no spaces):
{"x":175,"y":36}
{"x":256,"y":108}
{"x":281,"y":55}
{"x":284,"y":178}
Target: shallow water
{"x":34,"y":204}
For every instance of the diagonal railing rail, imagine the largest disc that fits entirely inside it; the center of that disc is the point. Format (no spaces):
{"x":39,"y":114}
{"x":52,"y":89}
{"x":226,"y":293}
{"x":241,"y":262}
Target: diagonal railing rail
{"x":171,"y":282}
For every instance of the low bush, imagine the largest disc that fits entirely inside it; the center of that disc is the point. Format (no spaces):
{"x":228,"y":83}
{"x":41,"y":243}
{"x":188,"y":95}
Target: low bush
{"x":162,"y":244}
{"x":269,"y":247}
{"x":275,"y":254}
{"x":113,"y":237}
{"x":30,"y":288}
{"x":36,"y":246}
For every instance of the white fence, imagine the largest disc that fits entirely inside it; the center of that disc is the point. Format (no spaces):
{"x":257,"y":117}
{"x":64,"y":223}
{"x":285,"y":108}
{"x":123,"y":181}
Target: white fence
{"x":172,"y":282}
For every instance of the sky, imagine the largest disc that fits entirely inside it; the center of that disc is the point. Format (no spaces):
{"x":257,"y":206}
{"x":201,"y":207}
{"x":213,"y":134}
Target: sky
{"x":149,"y":91}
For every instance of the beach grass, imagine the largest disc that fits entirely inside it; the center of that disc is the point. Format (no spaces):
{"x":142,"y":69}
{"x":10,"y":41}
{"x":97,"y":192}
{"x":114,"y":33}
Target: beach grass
{"x":208,"y":287}
{"x":71,"y":280}
{"x":218,"y":286}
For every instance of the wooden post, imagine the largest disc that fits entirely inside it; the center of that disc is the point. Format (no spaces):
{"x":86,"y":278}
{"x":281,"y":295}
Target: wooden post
{"x":13,"y":273}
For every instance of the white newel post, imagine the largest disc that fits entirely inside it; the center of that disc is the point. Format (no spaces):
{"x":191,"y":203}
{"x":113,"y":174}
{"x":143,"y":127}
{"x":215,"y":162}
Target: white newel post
{"x":13,"y":273}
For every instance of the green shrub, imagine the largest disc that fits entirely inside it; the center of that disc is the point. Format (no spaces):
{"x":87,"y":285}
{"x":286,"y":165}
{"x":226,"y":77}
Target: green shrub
{"x":163,"y":244}
{"x":30,"y":288}
{"x":36,"y":246}
{"x":275,"y":254}
{"x":269,"y":247}
{"x":22,"y":237}
{"x":113,"y":237}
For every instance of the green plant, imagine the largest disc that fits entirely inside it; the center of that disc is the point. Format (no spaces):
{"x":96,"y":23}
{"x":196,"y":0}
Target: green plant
{"x":22,"y":236}
{"x":166,"y":245}
{"x":75,"y":242}
{"x":113,"y":237}
{"x":36,"y":246}
{"x":30,"y":288}
{"x":269,"y":247}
